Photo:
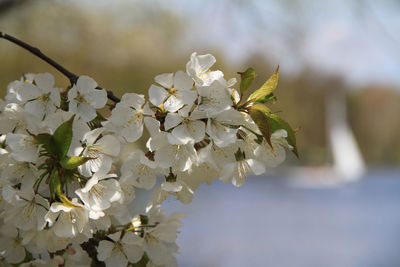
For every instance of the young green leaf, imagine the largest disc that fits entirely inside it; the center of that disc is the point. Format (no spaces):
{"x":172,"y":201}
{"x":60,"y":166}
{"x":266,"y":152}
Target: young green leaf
{"x":247,"y":78}
{"x":267,"y":88}
{"x":266,"y":98}
{"x":71,"y":163}
{"x":54,"y":184}
{"x":63,"y":137}
{"x":278,"y":123}
{"x":47,"y":141}
{"x":260,"y":114}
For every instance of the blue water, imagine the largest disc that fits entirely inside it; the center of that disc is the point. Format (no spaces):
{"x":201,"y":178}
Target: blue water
{"x":269,"y":223}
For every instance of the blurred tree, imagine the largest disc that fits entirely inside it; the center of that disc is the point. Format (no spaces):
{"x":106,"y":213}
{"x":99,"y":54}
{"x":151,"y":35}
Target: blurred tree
{"x":7,"y":5}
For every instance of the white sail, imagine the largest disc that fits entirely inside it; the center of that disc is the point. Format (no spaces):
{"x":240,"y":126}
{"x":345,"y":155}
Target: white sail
{"x":348,"y":163}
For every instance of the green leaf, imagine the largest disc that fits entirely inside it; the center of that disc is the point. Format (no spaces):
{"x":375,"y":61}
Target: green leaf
{"x":278,"y":123}
{"x":47,"y":141}
{"x":63,"y":137}
{"x":54,"y":184}
{"x":266,"y":98}
{"x":247,"y":78}
{"x":260,"y":115}
{"x":267,"y":88}
{"x":71,"y":163}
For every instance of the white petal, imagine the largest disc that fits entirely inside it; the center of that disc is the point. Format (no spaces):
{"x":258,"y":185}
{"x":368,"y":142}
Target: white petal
{"x":165,"y":156}
{"x":182,"y":134}
{"x":231,"y":116}
{"x":89,"y":184}
{"x":73,"y":106}
{"x":45,"y":81}
{"x":190,"y":131}
{"x":85,"y":84}
{"x":86,"y":112}
{"x":152,"y":125}
{"x":147,"y":110}
{"x":173,"y":140}
{"x":172,"y":120}
{"x":132,"y":100}
{"x":132,"y":239}
{"x":227,"y":171}
{"x":109,"y":145}
{"x":157,"y":141}
{"x":27,"y":92}
{"x":72,"y":93}
{"x":104,"y":250}
{"x":92,"y":136}
{"x":157,"y":95}
{"x":171,"y":187}
{"x":15,"y":254}
{"x":188,"y":96}
{"x":133,"y":252}
{"x":133,"y":133}
{"x":182,"y":81}
{"x":115,"y":236}
{"x":173,"y":103}
{"x":222,"y":135}
{"x":63,"y":228}
{"x":55,"y":96}
{"x":206,"y":61}
{"x":165,"y":79}
{"x":157,"y":252}
{"x":256,"y":167}
{"x":97,"y":98}
{"x":197,"y":130}
{"x":117,"y":259}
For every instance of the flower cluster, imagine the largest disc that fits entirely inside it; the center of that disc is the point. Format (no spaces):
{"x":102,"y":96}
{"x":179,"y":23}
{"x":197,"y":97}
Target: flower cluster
{"x":66,"y":190}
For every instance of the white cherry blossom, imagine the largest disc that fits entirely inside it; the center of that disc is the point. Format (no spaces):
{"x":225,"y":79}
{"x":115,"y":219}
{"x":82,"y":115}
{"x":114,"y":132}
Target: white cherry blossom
{"x":224,"y":126}
{"x":159,"y":241}
{"x":40,"y":98}
{"x":199,"y":69}
{"x":10,"y":244}
{"x":123,"y":249}
{"x":23,"y":147}
{"x":102,"y":150}
{"x":126,"y":119}
{"x":26,"y":210}
{"x":185,"y":130}
{"x":84,"y":98}
{"x":138,"y":170}
{"x":239,"y":170}
{"x":99,"y":192}
{"x":59,"y":212}
{"x":273,"y":158}
{"x":69,"y":220}
{"x":175,"y":91}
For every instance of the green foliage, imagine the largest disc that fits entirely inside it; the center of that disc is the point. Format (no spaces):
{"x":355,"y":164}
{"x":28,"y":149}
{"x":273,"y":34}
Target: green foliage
{"x":278,"y":123}
{"x":260,"y":115}
{"x":71,"y":163}
{"x":62,"y":137}
{"x":266,"y":89}
{"x":247,"y":78}
{"x":266,"y":98}
{"x":47,"y":141}
{"x":54,"y":184}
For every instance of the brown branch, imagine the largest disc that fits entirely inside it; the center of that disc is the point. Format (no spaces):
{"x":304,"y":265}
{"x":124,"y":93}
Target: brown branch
{"x":35,"y":51}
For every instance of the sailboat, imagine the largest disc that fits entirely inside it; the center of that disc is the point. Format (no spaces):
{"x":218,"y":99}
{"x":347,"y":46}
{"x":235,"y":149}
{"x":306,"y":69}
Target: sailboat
{"x":348,"y":163}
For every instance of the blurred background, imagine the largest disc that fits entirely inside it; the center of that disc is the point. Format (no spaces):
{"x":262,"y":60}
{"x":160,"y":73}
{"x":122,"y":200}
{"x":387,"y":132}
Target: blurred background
{"x":339,"y":84}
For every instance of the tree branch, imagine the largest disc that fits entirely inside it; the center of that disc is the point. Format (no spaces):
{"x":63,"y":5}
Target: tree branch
{"x":35,"y":51}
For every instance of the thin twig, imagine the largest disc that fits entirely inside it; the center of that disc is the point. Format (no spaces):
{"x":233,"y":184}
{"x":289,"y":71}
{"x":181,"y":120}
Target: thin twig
{"x":35,"y":51}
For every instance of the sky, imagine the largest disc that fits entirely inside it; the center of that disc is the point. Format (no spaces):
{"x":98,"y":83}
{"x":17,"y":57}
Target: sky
{"x":356,"y":39}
